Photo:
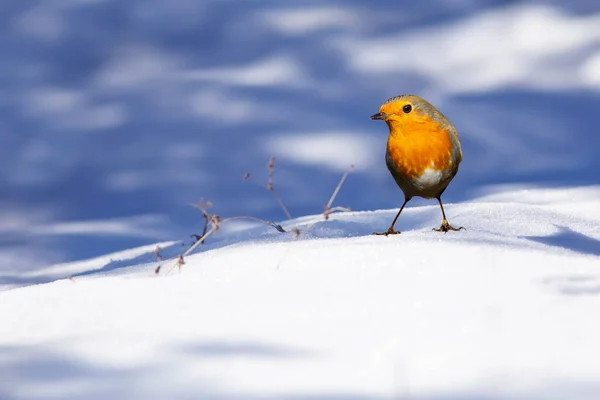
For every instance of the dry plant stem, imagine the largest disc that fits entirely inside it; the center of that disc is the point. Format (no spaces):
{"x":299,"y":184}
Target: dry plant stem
{"x":205,"y":228}
{"x":215,"y":221}
{"x":328,"y":209}
{"x":271,"y":168}
{"x":338,"y":187}
{"x":278,"y":199}
{"x":271,"y":187}
{"x":340,"y":209}
{"x":188,"y":251}
{"x":274,"y":225}
{"x":201,"y":239}
{"x":164,"y":262}
{"x":202,"y":206}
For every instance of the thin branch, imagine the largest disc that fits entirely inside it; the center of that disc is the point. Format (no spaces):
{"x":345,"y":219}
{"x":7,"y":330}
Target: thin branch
{"x":157,"y":253}
{"x":328,"y":209}
{"x":262,"y":221}
{"x":203,"y":206}
{"x":215,"y":221}
{"x":180,"y":259}
{"x":283,"y":207}
{"x":336,"y":191}
{"x":164,"y":262}
{"x":270,"y":186}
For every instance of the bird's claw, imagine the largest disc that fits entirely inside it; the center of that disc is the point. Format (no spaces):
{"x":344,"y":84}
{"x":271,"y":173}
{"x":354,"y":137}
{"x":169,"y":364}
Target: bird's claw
{"x":445,"y":227}
{"x":390,"y":231}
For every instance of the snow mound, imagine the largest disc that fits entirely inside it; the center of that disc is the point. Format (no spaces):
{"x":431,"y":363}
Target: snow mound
{"x":503,"y":309}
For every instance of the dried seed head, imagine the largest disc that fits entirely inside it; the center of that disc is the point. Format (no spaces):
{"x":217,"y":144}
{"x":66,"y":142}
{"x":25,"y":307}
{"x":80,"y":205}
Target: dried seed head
{"x":180,"y":261}
{"x":215,"y":221}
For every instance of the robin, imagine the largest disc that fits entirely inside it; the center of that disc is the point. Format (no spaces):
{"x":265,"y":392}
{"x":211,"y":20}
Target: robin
{"x":423,"y":151}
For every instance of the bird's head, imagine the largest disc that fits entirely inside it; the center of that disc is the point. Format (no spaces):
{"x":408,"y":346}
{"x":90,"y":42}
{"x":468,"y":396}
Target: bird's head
{"x":402,"y":111}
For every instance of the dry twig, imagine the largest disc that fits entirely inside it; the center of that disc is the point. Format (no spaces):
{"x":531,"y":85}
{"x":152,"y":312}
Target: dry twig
{"x":214,"y":221}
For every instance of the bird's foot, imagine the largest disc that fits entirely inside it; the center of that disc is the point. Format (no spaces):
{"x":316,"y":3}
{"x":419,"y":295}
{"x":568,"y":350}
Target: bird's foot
{"x":390,"y":231}
{"x":445,"y":227}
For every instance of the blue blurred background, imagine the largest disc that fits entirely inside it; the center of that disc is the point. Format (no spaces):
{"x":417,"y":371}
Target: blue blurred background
{"x":115,"y":115}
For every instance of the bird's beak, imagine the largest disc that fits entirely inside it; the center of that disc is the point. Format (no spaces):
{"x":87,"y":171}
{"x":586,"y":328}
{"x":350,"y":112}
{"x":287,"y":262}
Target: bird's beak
{"x":379,"y":115}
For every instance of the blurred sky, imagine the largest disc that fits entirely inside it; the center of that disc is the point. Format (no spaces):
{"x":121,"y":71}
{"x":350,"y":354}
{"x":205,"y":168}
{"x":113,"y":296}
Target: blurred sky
{"x":115,"y":115}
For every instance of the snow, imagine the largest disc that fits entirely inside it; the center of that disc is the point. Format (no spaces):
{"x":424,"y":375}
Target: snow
{"x":67,"y":270}
{"x":503,"y":309}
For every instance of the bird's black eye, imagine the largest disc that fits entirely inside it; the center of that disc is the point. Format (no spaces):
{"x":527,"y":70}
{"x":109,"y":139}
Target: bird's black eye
{"x":407,"y":108}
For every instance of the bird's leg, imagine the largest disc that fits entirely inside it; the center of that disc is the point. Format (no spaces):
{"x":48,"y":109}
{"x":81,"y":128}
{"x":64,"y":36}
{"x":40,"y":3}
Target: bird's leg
{"x":445,"y":227}
{"x":391,"y":230}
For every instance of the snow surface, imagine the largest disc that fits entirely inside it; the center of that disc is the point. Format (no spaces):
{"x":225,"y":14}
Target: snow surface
{"x":506,"y":309}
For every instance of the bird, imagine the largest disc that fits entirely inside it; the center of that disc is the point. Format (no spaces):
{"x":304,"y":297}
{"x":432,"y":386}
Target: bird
{"x":423,"y":151}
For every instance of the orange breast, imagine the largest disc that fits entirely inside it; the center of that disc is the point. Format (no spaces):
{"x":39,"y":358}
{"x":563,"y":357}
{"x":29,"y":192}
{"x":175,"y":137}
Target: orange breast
{"x":418,"y":146}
